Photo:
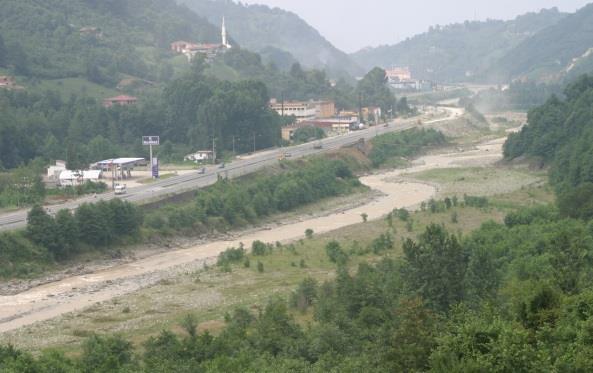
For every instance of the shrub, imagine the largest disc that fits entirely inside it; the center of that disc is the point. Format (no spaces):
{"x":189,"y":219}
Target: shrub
{"x":403,"y":214}
{"x":382,"y":243}
{"x":304,"y":296}
{"x":335,"y":253}
{"x":478,"y":202}
{"x":230,"y":255}
{"x":258,"y":248}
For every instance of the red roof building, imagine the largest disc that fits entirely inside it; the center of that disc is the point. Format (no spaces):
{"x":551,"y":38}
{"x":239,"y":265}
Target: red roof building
{"x":122,"y":100}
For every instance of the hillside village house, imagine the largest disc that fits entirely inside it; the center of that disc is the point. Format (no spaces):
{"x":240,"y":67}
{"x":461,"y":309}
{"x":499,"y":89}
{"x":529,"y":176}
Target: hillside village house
{"x":398,"y":74}
{"x":400,"y":78}
{"x":7,"y":82}
{"x":122,"y":100}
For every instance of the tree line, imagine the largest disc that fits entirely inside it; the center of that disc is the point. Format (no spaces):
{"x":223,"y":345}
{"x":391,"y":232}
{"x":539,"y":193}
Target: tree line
{"x":403,"y":144}
{"x":50,"y":238}
{"x":229,"y":204}
{"x":560,"y":134}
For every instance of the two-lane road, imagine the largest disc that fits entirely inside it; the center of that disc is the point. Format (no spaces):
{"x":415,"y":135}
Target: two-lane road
{"x":184,"y":183}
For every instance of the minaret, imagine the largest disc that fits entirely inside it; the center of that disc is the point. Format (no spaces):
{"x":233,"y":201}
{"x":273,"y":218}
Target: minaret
{"x":225,"y":41}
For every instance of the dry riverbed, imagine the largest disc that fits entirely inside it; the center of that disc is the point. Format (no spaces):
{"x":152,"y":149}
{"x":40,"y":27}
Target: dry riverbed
{"x":74,"y":294}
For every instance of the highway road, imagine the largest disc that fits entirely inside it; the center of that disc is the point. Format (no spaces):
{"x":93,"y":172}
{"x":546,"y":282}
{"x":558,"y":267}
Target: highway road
{"x":240,"y":167}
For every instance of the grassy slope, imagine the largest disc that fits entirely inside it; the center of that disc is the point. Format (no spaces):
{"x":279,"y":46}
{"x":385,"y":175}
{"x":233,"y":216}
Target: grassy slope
{"x":73,"y":86}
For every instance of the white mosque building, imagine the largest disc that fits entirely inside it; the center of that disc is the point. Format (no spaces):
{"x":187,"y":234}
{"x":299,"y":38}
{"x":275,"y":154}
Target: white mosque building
{"x":191,"y":50}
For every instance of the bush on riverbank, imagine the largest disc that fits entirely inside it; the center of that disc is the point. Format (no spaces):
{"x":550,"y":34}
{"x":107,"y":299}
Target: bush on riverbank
{"x":235,"y":203}
{"x":403,"y":144}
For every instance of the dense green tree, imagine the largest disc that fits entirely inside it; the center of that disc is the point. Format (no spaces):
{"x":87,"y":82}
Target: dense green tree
{"x":305,"y":134}
{"x":94,"y":224}
{"x":372,"y":90}
{"x":41,"y":228}
{"x":435,"y":267}
{"x":106,"y":354}
{"x":67,"y":234}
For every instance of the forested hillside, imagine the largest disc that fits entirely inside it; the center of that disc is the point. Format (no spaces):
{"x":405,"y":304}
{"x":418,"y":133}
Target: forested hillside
{"x":102,"y":41}
{"x":459,"y":52}
{"x":191,"y":112}
{"x":561,"y":133}
{"x":550,"y":53}
{"x":273,"y":31}
{"x":188,"y":114}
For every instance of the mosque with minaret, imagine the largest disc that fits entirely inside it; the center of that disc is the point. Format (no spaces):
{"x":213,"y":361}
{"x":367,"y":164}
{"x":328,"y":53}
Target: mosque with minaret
{"x":210,"y":51}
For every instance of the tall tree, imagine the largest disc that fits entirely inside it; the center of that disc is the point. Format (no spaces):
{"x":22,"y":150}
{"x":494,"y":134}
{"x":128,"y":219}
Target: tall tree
{"x":435,"y":267}
{"x":41,"y":228}
{"x":372,"y":90}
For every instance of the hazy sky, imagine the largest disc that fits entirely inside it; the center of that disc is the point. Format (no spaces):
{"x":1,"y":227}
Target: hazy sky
{"x":354,"y":24}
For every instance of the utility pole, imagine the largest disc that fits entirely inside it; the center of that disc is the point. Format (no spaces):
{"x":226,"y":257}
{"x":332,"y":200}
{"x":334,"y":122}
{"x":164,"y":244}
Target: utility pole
{"x":254,"y":142}
{"x":213,"y":150}
{"x":112,"y":176}
{"x":360,"y":107}
{"x":234,"y":144}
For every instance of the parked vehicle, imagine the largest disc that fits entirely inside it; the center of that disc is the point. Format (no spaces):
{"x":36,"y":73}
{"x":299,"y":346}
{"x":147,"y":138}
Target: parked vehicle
{"x":318,"y":145}
{"x":120,"y":189}
{"x":202,"y":170}
{"x":284,"y":155}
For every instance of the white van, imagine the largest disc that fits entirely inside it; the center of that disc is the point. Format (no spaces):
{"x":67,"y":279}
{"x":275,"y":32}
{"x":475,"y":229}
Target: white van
{"x":120,"y":189}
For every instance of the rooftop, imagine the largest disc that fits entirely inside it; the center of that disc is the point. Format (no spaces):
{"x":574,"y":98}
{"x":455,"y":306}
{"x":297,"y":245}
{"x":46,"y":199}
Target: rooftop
{"x":121,"y":98}
{"x":120,"y":161}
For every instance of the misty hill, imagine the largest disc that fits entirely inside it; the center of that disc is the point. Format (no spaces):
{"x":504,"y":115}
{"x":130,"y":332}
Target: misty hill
{"x":98,"y":40}
{"x":259,"y":28}
{"x":559,"y":50}
{"x":459,"y":51}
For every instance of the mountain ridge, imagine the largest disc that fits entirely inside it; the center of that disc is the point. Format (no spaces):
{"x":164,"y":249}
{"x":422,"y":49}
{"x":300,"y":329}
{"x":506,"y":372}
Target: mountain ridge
{"x":257,"y":27}
{"x":548,"y":54}
{"x":458,"y":51}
